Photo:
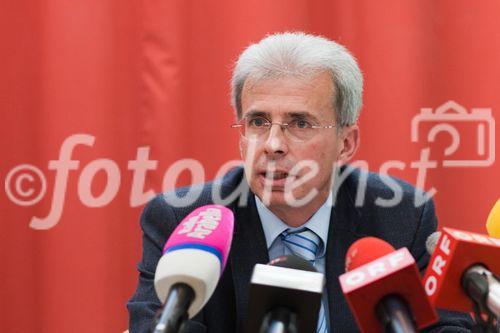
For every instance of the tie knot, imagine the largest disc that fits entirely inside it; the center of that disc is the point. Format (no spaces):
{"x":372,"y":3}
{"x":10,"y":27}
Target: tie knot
{"x":303,"y":243}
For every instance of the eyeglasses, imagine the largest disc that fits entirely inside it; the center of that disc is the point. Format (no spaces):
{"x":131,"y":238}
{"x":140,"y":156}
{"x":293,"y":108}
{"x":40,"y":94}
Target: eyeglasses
{"x":257,"y":128}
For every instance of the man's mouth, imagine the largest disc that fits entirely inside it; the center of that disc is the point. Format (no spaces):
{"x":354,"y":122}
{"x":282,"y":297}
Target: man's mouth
{"x":276,"y":175}
{"x":275,"y":179}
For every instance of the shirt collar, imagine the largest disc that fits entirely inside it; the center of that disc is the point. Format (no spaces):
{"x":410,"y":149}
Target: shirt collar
{"x":318,"y":223}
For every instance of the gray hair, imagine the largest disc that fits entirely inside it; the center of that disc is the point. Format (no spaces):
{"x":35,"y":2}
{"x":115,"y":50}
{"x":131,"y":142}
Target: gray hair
{"x":303,"y":55}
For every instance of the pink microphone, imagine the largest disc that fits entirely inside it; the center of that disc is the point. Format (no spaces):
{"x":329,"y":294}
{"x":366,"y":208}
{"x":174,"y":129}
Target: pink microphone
{"x":193,"y":260}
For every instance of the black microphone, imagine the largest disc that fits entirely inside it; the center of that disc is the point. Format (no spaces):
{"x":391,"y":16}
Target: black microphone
{"x":285,"y":296}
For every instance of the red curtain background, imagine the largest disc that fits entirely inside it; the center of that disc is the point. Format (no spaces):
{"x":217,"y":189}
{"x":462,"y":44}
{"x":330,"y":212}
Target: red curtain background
{"x":156,"y":74}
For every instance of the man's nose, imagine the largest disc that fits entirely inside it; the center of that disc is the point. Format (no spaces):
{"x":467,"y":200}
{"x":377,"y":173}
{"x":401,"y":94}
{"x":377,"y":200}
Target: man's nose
{"x":276,"y":142}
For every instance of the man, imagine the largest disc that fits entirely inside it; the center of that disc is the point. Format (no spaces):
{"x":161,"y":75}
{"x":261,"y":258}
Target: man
{"x":297,"y":98}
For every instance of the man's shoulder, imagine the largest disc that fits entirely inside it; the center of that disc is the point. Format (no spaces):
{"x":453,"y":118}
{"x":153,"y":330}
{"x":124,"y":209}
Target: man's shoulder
{"x":388,"y":208}
{"x":378,"y":182}
{"x":183,"y":200}
{"x":162,"y":214}
{"x":378,"y":189}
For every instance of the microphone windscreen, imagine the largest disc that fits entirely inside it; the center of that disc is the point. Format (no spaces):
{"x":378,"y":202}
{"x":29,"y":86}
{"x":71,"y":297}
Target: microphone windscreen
{"x":208,"y":228}
{"x":493,"y":222}
{"x":431,"y":242}
{"x":365,"y":250}
{"x":293,"y":262}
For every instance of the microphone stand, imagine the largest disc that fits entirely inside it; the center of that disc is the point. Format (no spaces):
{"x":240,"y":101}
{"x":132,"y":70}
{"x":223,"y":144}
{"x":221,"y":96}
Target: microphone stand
{"x":483,"y":288}
{"x":395,"y":316}
{"x":279,"y":320}
{"x":175,"y":311}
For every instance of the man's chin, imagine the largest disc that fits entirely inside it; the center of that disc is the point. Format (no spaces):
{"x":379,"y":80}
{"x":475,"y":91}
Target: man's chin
{"x":278,"y":198}
{"x":273,"y":200}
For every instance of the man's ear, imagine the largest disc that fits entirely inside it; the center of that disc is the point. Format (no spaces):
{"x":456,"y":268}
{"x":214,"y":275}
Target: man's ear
{"x":348,"y":143}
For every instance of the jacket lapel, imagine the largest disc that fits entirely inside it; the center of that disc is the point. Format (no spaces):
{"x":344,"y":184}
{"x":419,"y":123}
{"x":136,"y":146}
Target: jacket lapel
{"x":344,"y":219}
{"x":248,"y":248}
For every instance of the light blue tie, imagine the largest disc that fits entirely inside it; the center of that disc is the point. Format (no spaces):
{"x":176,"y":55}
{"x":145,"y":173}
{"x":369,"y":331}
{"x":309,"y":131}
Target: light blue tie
{"x":305,"y":244}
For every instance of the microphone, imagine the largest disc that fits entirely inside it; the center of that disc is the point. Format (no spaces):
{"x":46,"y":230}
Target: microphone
{"x":371,"y":248}
{"x":493,"y":228}
{"x":461,"y":277}
{"x":431,"y":242}
{"x":493,"y":222}
{"x":384,"y":292}
{"x":285,"y":296}
{"x":193,"y":260}
{"x":461,"y":263}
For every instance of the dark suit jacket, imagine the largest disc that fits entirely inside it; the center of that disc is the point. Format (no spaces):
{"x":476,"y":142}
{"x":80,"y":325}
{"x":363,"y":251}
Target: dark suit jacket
{"x":402,"y":226}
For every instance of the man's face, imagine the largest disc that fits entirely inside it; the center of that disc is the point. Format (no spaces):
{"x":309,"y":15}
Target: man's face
{"x":283,"y":100}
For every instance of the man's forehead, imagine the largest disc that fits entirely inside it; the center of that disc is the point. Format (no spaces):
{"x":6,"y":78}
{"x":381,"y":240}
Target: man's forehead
{"x":283,"y":114}
{"x":289,"y":98}
{"x":295,"y":92}
{"x":311,"y":80}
